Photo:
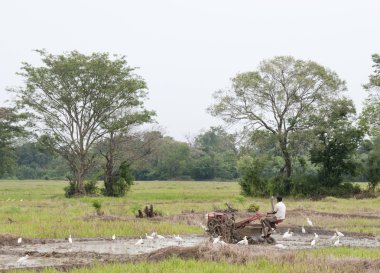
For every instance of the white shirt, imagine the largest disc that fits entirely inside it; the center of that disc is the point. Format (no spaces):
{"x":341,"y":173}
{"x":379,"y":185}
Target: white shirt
{"x":280,"y":210}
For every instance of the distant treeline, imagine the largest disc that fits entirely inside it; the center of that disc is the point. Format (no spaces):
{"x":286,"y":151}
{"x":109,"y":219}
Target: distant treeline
{"x":298,"y":133}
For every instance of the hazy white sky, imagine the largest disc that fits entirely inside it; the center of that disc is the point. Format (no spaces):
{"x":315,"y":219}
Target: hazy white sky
{"x":186,"y":50}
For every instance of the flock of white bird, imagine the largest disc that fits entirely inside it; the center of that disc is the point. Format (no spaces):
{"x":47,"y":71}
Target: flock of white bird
{"x":335,"y":238}
{"x":155,"y":236}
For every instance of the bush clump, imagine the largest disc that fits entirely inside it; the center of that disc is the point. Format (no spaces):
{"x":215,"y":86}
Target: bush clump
{"x":253,"y":208}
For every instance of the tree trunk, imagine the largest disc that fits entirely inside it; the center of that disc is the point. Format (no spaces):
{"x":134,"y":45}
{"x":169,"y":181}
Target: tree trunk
{"x":110,"y":162}
{"x":80,"y":179}
{"x":285,"y":154}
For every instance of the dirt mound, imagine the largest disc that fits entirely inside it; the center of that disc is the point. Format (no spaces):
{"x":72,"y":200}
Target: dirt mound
{"x":104,"y":217}
{"x":11,"y":240}
{"x":207,"y":252}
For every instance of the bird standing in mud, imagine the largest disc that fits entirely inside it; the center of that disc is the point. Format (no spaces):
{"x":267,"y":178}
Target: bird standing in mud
{"x":149,"y":237}
{"x":216,"y":240}
{"x":113,"y":237}
{"x":287,"y":234}
{"x":309,"y":221}
{"x":303,"y":229}
{"x":19,"y":240}
{"x":313,"y":242}
{"x":160,"y":236}
{"x":340,"y":234}
{"x":243,"y":242}
{"x":280,"y":246}
{"x":70,"y":239}
{"x":178,"y":238}
{"x":336,"y":243}
{"x":22,"y":260}
{"x":334,"y":236}
{"x":139,"y":242}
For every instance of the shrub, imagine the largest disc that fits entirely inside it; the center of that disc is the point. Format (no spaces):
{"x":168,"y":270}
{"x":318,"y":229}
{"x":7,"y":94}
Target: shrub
{"x":253,"y":207}
{"x":91,"y":188}
{"x":71,"y":189}
{"x":120,"y":182}
{"x":98,"y":206}
{"x":252,"y":179}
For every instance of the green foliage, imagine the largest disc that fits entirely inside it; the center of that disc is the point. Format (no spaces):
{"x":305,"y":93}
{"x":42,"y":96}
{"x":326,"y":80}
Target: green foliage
{"x":373,"y":167}
{"x":281,"y":97}
{"x":97,"y":206}
{"x":253,"y":207}
{"x":252,"y":179}
{"x":370,"y":116}
{"x":91,"y":187}
{"x":11,"y":128}
{"x":338,"y":140}
{"x":71,"y":189}
{"x":79,"y":99}
{"x":120,"y":182}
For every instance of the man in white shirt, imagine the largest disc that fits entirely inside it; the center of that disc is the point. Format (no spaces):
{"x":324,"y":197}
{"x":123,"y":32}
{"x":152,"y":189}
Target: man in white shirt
{"x":274,"y":217}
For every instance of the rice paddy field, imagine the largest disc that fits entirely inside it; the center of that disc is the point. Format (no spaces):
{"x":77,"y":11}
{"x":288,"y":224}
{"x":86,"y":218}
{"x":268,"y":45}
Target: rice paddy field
{"x":38,"y":210}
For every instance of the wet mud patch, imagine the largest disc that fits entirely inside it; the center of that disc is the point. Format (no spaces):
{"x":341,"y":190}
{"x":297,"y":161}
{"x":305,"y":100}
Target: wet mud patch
{"x":60,"y":254}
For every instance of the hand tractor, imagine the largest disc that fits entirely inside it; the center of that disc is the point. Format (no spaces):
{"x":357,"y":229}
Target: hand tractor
{"x":223,"y":224}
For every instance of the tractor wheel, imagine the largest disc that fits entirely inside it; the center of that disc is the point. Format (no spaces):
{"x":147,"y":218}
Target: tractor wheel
{"x":270,"y":240}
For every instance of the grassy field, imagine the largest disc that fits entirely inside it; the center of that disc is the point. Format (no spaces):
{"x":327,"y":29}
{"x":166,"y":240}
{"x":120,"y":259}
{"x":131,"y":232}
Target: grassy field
{"x":316,"y":261}
{"x":38,"y":209}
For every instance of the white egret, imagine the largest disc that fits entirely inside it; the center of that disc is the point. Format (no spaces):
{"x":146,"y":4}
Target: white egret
{"x":340,"y":234}
{"x":280,"y":246}
{"x":336,"y":243}
{"x":149,"y":237}
{"x":334,"y":236}
{"x":303,"y":229}
{"x":223,"y":243}
{"x":160,"y":236}
{"x":154,"y":234}
{"x":243,"y":242}
{"x":139,"y":242}
{"x":19,"y":240}
{"x":309,"y":221}
{"x":216,"y":240}
{"x":113,"y":237}
{"x":22,"y":260}
{"x":203,"y":226}
{"x":316,"y":235}
{"x":70,"y":239}
{"x":178,"y":238}
{"x":287,"y":235}
{"x":313,"y":242}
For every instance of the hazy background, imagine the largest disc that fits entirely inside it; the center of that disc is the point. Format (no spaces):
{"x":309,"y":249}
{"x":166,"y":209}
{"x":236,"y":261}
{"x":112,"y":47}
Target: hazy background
{"x":186,"y":50}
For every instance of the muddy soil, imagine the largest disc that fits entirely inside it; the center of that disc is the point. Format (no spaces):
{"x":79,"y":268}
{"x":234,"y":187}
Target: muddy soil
{"x":85,"y":251}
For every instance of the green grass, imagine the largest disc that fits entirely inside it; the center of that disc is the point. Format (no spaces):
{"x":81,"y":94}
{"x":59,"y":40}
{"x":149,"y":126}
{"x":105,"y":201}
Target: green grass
{"x":46,"y":213}
{"x":318,"y":260}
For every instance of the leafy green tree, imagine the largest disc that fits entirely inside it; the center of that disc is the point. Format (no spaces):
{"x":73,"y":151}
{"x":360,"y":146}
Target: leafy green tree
{"x":120,"y":181}
{"x":370,"y":116}
{"x":73,"y":97}
{"x":214,"y":155}
{"x":253,"y":177}
{"x":373,"y":167}
{"x":173,"y":158}
{"x":11,"y":128}
{"x":280,"y":98}
{"x":119,"y":131}
{"x":339,"y":139}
